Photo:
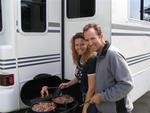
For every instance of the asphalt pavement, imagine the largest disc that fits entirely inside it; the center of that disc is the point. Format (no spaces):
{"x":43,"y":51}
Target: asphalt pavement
{"x":142,"y":105}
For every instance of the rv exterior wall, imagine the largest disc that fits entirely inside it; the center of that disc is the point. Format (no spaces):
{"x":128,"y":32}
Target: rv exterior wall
{"x":131,"y":36}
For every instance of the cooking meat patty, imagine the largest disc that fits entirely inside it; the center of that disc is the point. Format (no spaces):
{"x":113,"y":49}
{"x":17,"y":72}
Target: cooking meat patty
{"x":63,"y":99}
{"x":43,"y":106}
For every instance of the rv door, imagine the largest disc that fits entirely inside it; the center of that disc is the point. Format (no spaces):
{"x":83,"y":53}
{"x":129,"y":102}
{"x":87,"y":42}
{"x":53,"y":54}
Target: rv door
{"x":77,"y":15}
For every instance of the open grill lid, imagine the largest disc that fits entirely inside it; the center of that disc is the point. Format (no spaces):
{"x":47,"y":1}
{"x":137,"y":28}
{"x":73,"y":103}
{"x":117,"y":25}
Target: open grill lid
{"x":31,"y":89}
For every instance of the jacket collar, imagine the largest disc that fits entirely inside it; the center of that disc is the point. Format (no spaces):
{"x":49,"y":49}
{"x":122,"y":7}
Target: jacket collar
{"x":104,"y":50}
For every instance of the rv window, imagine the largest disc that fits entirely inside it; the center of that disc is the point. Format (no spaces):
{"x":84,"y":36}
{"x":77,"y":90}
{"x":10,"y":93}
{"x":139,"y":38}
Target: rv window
{"x":78,"y":8}
{"x":140,"y":9}
{"x":33,"y":15}
{"x":0,"y":16}
{"x":146,"y":14}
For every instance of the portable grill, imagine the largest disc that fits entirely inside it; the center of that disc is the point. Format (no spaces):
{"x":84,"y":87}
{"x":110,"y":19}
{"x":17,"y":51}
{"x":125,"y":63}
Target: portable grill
{"x":31,"y":91}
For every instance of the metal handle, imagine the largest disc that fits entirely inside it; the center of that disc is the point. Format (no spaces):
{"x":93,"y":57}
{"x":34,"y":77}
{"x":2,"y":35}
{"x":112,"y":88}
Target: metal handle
{"x":52,"y":87}
{"x":84,"y":103}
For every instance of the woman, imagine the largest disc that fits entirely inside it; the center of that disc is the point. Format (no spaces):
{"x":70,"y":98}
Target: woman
{"x":85,"y":61}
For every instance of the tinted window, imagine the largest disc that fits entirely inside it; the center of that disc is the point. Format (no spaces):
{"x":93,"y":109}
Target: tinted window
{"x":146,"y":10}
{"x":140,"y":9}
{"x":33,"y":15}
{"x":80,"y":8}
{"x":0,"y":16}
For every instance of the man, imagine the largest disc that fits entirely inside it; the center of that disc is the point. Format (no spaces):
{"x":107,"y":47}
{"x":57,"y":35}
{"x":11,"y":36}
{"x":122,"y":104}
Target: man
{"x":113,"y":79}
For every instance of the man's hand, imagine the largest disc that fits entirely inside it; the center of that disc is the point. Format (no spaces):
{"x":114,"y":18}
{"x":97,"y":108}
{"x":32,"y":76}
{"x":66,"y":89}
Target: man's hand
{"x":97,"y":99}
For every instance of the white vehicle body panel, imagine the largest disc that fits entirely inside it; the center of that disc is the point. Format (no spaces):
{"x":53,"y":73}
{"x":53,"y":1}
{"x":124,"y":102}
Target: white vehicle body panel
{"x":26,"y":55}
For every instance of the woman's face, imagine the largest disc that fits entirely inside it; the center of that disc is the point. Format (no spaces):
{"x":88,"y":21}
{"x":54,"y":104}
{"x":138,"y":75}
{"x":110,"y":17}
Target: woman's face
{"x":80,"y":46}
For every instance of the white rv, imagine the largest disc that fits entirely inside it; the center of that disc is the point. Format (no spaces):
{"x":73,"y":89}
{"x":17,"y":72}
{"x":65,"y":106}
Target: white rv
{"x":35,"y":38}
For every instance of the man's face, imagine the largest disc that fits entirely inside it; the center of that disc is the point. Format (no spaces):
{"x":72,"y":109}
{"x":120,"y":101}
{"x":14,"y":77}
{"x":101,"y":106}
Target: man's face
{"x":93,"y":39}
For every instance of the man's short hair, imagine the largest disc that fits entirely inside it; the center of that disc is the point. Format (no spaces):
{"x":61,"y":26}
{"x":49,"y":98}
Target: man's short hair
{"x":93,"y":25}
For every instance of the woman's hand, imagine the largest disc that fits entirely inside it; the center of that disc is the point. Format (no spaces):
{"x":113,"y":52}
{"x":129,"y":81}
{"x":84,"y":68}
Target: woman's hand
{"x":84,"y":110}
{"x":44,"y":91}
{"x":68,"y":84}
{"x":64,"y":85}
{"x":85,"y":107}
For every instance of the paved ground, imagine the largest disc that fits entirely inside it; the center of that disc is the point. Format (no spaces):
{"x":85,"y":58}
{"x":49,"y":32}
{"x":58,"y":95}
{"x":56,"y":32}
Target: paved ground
{"x":142,"y":105}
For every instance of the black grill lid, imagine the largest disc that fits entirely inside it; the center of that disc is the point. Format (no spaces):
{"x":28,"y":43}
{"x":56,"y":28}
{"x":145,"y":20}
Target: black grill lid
{"x":31,"y":89}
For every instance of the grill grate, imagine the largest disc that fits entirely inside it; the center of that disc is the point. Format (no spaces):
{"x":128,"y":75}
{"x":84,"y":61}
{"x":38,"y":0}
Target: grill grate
{"x":74,"y":108}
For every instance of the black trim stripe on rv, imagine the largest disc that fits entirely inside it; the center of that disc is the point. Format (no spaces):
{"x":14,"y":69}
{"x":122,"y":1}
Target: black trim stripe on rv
{"x":130,"y":34}
{"x":5,"y":60}
{"x":29,"y":61}
{"x":54,"y":31}
{"x":53,"y":24}
{"x":25,"y":65}
{"x":7,"y":64}
{"x":37,"y":60}
{"x":44,"y":59}
{"x":129,"y":27}
{"x":137,"y":59}
{"x":39,"y":56}
{"x":53,"y":27}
